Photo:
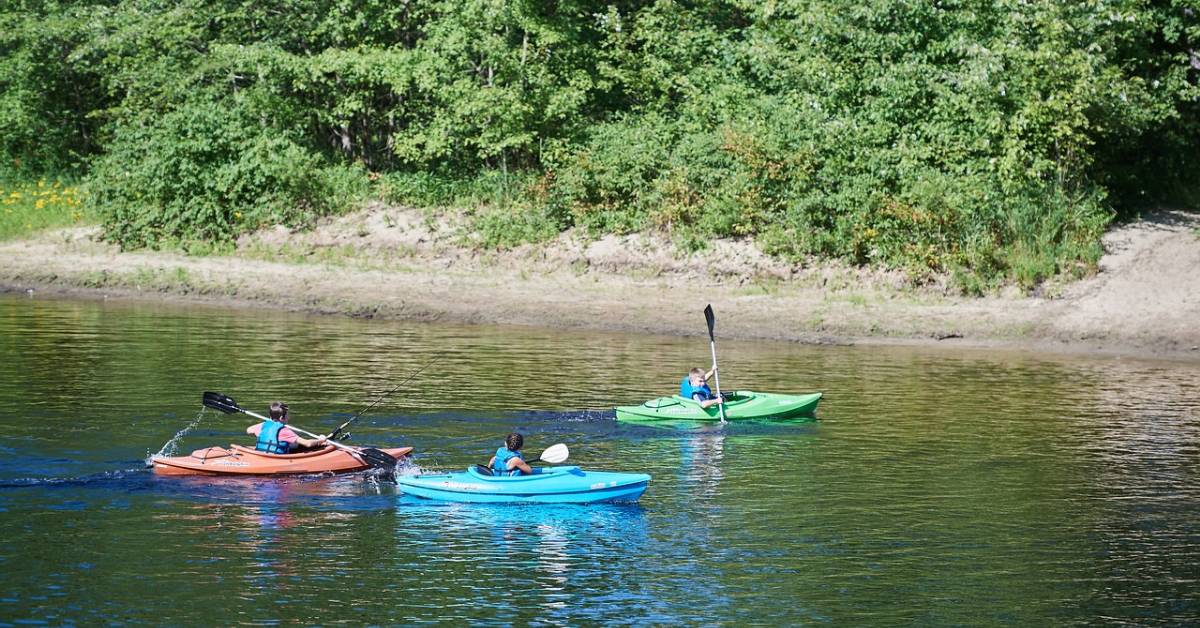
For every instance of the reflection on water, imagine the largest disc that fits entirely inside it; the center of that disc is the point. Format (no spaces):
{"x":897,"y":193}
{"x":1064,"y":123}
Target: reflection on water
{"x":701,"y":457}
{"x":937,"y":487}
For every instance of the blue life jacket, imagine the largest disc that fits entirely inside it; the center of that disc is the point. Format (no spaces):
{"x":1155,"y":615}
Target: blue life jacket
{"x":686,"y":390}
{"x":500,"y":466}
{"x":268,"y":438}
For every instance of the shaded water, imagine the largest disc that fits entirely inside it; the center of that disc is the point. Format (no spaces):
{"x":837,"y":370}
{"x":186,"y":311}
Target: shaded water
{"x":936,"y":488}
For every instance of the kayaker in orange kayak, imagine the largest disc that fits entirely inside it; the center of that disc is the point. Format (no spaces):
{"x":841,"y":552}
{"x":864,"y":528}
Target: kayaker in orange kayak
{"x":275,"y":437}
{"x":508,"y":460}
{"x":695,"y":387}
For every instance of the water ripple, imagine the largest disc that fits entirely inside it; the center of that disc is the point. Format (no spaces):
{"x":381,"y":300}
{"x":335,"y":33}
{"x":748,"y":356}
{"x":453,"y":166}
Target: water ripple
{"x":937,"y":487}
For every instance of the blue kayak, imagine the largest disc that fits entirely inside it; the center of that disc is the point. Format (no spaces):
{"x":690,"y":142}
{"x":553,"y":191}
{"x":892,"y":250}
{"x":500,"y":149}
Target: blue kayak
{"x":547,"y":485}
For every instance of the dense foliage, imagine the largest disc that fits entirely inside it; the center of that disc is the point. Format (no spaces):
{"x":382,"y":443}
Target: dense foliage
{"x":990,"y":138}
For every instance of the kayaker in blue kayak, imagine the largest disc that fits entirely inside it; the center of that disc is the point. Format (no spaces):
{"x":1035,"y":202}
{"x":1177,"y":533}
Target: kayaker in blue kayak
{"x":508,"y":460}
{"x":275,"y":437}
{"x":695,"y":387}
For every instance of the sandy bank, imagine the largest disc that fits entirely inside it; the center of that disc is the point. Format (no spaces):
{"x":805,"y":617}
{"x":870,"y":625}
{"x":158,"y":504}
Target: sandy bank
{"x":396,"y":263}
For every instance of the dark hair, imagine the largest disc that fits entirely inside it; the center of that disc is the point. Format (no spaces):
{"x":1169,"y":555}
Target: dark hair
{"x":279,"y":411}
{"x":514,"y":441}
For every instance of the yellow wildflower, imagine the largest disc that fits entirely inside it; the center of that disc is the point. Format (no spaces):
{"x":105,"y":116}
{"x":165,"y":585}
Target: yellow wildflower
{"x":40,"y":204}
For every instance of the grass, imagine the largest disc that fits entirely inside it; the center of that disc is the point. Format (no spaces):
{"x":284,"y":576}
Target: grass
{"x":27,"y":207}
{"x":765,"y":284}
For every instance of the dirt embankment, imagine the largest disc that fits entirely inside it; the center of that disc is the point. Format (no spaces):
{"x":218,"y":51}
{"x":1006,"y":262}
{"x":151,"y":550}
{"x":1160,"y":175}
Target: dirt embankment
{"x":398,"y":263}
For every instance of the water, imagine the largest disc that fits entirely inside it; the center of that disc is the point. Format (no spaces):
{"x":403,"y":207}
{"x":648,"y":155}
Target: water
{"x":936,"y":487}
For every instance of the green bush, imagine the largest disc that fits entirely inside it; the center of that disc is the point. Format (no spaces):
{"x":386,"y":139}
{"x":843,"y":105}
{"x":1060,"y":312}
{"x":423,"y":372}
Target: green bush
{"x":212,"y":176}
{"x":48,"y":99}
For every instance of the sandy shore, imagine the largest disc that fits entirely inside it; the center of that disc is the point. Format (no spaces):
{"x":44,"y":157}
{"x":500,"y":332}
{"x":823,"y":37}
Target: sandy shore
{"x":397,"y":263}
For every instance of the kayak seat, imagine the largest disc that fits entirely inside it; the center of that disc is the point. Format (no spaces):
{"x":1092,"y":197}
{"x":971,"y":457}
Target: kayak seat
{"x":482,"y":470}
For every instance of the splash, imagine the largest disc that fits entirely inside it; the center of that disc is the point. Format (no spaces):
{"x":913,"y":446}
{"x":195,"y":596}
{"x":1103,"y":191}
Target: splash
{"x":171,"y":446}
{"x":376,"y":478}
{"x":407,"y":467}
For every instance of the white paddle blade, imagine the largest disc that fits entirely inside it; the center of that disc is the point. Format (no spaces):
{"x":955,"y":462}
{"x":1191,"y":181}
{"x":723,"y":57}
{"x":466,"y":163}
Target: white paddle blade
{"x":555,"y":454}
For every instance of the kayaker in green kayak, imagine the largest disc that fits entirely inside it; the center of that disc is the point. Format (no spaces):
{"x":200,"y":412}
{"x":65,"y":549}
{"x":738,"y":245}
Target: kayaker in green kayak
{"x":695,"y":387}
{"x":508,"y":459}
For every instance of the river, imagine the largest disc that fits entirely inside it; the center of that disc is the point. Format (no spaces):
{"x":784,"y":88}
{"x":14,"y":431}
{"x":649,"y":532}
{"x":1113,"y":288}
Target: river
{"x":934,"y":487}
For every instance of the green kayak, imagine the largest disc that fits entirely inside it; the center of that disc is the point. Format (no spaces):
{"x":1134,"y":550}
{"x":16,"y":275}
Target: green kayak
{"x":742,"y":404}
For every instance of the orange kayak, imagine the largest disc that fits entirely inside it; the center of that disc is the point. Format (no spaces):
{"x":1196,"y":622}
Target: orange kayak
{"x":238,"y":460}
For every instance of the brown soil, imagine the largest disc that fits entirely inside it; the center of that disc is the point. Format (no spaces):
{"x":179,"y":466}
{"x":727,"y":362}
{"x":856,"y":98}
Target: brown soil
{"x":400,"y":263}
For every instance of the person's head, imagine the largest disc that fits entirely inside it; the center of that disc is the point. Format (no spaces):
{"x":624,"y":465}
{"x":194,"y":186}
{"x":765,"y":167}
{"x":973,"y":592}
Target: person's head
{"x":279,"y":411}
{"x":696,"y":375}
{"x":514,"y":441}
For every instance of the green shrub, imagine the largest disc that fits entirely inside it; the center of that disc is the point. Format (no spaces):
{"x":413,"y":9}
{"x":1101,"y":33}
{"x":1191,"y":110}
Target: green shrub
{"x":48,"y":99}
{"x":211,"y":176}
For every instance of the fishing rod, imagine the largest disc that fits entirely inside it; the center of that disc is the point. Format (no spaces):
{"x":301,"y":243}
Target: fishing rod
{"x":334,"y":433}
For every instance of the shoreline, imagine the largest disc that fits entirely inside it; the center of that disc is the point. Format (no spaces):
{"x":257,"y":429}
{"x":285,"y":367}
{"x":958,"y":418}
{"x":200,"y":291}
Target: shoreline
{"x":955,"y":342}
{"x":1144,"y":302}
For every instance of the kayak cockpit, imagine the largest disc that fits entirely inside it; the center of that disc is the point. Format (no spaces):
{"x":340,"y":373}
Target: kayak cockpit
{"x":321,"y":451}
{"x":539,"y":473}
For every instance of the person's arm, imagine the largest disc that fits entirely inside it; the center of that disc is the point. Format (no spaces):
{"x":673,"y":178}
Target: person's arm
{"x":311,"y":442}
{"x":710,"y":373}
{"x":253,"y":430}
{"x":517,"y":463}
{"x":289,"y":435}
{"x":708,"y":403}
{"x":491,"y":462}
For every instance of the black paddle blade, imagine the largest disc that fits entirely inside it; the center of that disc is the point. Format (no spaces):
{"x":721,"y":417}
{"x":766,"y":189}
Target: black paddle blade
{"x":712,"y":321}
{"x":224,"y":403}
{"x":378,"y":458}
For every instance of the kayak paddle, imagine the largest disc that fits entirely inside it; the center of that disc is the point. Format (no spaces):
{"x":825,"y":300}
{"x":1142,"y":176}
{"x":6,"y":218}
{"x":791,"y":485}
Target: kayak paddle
{"x":373,"y":457}
{"x":712,"y":341}
{"x":555,"y":454}
{"x":334,"y":433}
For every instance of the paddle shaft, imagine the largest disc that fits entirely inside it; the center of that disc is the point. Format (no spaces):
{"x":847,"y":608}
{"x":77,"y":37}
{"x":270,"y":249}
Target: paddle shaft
{"x":300,"y":431}
{"x":711,"y":319}
{"x":717,"y":378}
{"x":553,"y":454}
